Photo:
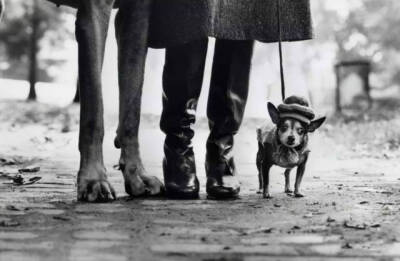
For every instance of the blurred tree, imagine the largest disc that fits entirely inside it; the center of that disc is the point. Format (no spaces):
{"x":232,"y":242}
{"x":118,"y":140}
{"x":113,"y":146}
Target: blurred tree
{"x":28,"y":26}
{"x":77,"y":97}
{"x":366,"y":30}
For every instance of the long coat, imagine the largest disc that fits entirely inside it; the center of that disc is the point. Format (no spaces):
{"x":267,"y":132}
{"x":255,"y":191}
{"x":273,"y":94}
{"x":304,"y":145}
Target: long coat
{"x":179,"y":21}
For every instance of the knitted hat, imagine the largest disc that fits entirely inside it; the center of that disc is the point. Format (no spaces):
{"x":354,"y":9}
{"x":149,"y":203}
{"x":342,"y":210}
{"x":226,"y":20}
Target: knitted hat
{"x":296,"y":107}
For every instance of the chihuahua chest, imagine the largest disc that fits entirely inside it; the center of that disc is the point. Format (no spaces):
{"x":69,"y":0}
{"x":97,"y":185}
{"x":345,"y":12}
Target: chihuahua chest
{"x":278,"y":154}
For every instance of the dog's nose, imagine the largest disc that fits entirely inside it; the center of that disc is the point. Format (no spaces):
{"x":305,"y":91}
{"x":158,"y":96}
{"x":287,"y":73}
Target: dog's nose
{"x":291,"y":139}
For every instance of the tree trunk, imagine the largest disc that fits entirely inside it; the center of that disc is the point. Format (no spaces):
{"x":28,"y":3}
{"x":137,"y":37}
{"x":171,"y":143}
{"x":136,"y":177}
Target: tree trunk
{"x":33,"y":52}
{"x":77,"y":97}
{"x":1,"y":8}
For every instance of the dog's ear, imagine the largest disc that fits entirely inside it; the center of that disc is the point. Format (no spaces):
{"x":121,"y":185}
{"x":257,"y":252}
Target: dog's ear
{"x":273,"y":113}
{"x":315,"y":124}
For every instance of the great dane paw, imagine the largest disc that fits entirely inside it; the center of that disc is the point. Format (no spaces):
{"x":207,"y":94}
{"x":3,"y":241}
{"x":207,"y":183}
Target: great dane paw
{"x":137,"y":182}
{"x":137,"y":186}
{"x":96,"y":191}
{"x":154,"y":186}
{"x":134,"y":186}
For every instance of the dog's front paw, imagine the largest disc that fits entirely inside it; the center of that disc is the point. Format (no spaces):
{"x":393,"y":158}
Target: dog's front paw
{"x":288,"y":191}
{"x":267,"y":196}
{"x":298,"y":195}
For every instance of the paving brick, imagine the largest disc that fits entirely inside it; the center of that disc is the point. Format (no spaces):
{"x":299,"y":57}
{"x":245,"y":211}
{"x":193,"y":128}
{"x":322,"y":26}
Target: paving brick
{"x":49,"y":211}
{"x":14,"y":235}
{"x":292,"y":239}
{"x":224,"y":249}
{"x":327,"y":249}
{"x":101,"y":235}
{"x":78,"y":254}
{"x":307,"y":258}
{"x":19,"y":256}
{"x":99,"y":244}
{"x":22,"y":246}
{"x":102,"y":208}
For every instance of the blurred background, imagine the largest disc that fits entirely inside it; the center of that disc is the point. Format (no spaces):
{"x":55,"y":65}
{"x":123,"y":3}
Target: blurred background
{"x":38,"y":59}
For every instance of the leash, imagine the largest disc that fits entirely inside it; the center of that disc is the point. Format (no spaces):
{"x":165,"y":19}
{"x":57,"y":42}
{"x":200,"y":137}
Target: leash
{"x":282,"y":75}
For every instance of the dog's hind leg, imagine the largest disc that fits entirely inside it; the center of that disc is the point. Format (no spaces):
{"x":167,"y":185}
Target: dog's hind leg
{"x":287,"y":181}
{"x":259,"y":161}
{"x":265,"y":172}
{"x":299,"y":176}
{"x":131,"y":26}
{"x":91,"y":32}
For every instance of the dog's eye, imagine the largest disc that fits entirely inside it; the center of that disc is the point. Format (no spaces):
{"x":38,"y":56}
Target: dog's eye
{"x":284,"y":128}
{"x":300,"y":131}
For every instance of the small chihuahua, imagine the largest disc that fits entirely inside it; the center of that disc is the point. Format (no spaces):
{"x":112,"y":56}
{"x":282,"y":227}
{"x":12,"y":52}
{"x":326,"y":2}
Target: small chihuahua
{"x":286,"y":144}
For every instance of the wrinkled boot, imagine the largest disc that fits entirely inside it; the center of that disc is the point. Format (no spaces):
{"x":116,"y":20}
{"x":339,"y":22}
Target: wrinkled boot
{"x":180,"y":172}
{"x":182,"y":81}
{"x":225,"y":110}
{"x":222,"y":182}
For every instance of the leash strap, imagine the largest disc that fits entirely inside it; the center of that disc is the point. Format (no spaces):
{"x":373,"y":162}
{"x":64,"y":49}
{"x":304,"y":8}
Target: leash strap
{"x":282,"y":75}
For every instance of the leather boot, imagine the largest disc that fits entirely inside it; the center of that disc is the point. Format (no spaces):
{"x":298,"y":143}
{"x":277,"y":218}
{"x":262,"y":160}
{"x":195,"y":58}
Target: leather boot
{"x":179,"y":163}
{"x":182,"y":82}
{"x":226,"y":105}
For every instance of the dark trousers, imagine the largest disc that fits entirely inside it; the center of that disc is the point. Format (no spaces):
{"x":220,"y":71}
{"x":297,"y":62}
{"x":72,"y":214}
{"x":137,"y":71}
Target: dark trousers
{"x":182,"y":81}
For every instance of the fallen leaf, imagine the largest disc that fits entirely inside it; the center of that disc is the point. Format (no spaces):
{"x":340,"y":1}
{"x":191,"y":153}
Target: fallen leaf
{"x":308,"y":215}
{"x":33,"y":180}
{"x":29,"y":170}
{"x":12,"y":208}
{"x":352,"y":225}
{"x":265,"y":230}
{"x":9,"y":223}
{"x":62,"y":218}
{"x":18,"y":180}
{"x":347,"y":246}
{"x":330,"y":220}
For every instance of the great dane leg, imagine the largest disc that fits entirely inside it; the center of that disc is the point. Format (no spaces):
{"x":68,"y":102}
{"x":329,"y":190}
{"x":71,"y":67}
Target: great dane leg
{"x":131,"y":28}
{"x":91,"y":32}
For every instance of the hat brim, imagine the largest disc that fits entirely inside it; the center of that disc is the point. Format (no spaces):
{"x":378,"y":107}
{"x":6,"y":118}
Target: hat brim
{"x":304,"y":111}
{"x":295,"y":116}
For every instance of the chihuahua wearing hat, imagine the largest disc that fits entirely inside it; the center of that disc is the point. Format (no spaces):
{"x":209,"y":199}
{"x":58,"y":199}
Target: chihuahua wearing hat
{"x":286,"y":144}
